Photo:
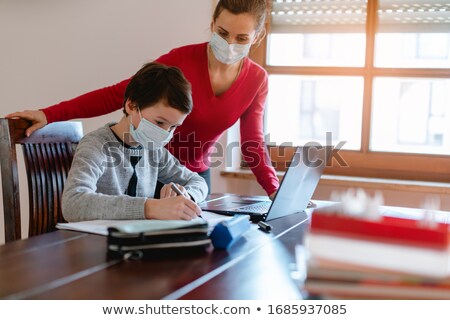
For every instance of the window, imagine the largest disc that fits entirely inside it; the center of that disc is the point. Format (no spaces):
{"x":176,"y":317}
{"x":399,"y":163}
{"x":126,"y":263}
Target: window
{"x":374,"y":74}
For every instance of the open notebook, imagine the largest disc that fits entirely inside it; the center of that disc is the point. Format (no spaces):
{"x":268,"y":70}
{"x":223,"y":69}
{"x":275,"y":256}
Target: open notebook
{"x":101,"y":226}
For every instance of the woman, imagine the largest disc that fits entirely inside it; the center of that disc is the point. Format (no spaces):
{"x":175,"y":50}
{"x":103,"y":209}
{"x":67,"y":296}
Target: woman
{"x":226,"y":86}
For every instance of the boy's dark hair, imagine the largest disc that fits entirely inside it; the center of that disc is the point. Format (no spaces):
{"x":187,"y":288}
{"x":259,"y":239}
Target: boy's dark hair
{"x":156,"y":82}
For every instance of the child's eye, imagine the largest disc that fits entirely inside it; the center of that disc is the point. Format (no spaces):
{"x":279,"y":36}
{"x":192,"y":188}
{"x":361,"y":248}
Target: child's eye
{"x":159,"y":123}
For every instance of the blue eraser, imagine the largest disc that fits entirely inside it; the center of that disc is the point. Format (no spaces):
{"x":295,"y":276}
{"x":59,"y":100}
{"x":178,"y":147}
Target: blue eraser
{"x":228,"y":232}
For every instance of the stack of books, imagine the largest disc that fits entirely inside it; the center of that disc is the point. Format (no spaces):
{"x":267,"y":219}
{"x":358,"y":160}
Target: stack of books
{"x":384,"y":257}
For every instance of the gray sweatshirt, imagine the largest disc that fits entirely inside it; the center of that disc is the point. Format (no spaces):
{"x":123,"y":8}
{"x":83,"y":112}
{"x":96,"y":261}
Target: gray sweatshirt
{"x":101,"y":171}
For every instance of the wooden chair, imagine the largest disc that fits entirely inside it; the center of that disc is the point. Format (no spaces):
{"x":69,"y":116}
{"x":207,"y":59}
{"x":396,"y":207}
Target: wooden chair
{"x":48,"y":154}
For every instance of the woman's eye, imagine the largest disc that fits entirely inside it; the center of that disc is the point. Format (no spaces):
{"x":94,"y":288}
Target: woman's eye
{"x":159,"y":123}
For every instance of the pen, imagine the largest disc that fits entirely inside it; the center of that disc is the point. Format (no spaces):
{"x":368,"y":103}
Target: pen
{"x":264,"y":226}
{"x":176,"y":189}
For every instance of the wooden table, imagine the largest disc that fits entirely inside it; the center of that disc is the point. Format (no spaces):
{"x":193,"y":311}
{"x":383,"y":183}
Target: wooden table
{"x":72,"y":265}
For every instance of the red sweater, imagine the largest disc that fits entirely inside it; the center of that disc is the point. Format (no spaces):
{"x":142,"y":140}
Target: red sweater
{"x":194,"y":141}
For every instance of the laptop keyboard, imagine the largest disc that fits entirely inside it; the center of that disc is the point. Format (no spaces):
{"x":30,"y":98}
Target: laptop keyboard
{"x":260,"y":207}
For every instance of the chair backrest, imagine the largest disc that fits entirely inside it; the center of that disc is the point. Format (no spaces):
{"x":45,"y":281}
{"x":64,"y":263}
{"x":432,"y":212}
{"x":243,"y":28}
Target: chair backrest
{"x":48,"y":154}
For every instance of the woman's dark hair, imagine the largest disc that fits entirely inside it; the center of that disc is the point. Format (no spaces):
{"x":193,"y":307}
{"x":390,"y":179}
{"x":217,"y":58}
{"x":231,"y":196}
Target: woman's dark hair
{"x":257,"y":8}
{"x":155,"y":82}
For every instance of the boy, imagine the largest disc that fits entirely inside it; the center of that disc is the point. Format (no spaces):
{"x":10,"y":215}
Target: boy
{"x":115,"y":168}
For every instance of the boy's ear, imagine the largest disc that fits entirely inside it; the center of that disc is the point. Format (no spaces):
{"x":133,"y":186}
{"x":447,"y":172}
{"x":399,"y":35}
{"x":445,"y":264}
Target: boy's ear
{"x":130,"y":106}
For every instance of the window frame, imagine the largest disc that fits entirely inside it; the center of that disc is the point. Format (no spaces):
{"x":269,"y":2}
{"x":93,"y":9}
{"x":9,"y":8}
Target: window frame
{"x":364,"y":162}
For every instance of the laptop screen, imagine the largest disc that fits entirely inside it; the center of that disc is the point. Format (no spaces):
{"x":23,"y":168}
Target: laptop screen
{"x":300,"y":181}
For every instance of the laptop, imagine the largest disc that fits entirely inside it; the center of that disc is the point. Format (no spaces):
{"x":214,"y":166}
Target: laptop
{"x":293,"y":196}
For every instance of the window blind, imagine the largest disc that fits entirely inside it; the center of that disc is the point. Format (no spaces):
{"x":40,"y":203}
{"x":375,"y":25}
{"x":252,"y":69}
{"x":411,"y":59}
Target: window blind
{"x":330,"y":16}
{"x":414,"y":16}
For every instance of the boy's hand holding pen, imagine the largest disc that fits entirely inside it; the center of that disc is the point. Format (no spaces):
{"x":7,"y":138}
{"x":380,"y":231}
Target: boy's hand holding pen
{"x":177,"y":190}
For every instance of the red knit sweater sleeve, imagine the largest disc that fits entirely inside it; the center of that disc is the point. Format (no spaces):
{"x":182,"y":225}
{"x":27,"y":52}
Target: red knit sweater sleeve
{"x":253,"y":147}
{"x":91,"y":104}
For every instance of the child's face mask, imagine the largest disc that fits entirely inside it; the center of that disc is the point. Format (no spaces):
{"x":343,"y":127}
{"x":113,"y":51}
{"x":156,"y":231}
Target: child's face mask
{"x":149,"y":135}
{"x":228,"y":53}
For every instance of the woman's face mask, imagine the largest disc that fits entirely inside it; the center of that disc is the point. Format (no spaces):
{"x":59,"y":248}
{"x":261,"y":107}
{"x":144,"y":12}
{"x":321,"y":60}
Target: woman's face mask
{"x":149,"y":135}
{"x":228,"y":53}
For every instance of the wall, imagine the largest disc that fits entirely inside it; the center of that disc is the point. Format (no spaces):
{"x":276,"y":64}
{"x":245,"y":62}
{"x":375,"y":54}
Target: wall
{"x":53,"y":50}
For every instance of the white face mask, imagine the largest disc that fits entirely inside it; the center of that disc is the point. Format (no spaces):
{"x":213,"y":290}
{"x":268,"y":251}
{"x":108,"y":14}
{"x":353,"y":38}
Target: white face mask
{"x":149,"y":135}
{"x":228,"y":53}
